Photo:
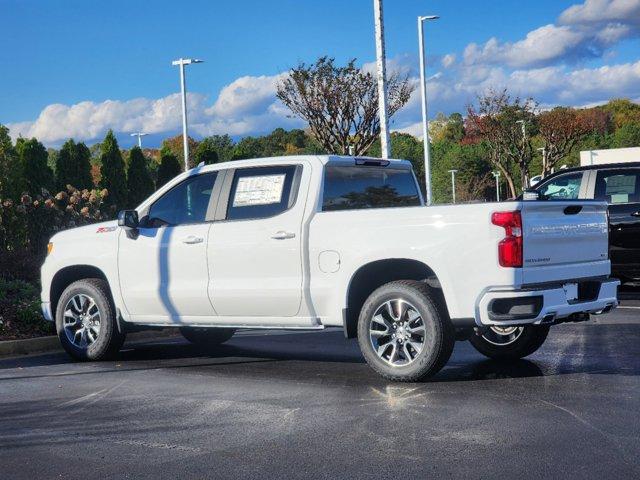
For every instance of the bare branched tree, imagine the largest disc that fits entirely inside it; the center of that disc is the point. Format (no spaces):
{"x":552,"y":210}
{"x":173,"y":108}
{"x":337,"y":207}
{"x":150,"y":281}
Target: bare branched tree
{"x":495,"y":121}
{"x":340,"y":104}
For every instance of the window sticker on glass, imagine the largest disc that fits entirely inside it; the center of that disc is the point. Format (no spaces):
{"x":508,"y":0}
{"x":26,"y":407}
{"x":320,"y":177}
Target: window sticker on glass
{"x":262,"y":190}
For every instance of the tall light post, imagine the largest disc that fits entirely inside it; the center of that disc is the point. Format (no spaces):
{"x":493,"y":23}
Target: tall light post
{"x":425,"y":118}
{"x":139,"y":135}
{"x":543,"y":150}
{"x":183,"y":88}
{"x":381,"y":64}
{"x":496,"y":174}
{"x":453,"y":184}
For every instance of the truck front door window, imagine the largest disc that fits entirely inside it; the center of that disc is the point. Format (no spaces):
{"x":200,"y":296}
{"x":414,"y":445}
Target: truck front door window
{"x":563,"y":187}
{"x":183,"y":204}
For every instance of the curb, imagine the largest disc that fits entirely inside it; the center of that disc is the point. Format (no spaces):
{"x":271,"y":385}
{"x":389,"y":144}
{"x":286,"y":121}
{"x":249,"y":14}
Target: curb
{"x":52,"y":344}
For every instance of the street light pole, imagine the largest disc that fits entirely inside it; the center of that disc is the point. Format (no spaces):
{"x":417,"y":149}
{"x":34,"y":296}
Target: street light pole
{"x":181,"y":62}
{"x":385,"y":142}
{"x":544,"y":159}
{"x":425,"y":118}
{"x":496,"y":174}
{"x":139,"y":135}
{"x":453,"y":184}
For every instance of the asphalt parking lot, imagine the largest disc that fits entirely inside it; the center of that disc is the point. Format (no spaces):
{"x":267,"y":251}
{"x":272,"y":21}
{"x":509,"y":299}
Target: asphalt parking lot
{"x":304,"y":405}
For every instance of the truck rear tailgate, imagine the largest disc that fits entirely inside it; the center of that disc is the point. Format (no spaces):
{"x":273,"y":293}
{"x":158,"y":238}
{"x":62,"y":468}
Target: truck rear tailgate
{"x":564,"y":240}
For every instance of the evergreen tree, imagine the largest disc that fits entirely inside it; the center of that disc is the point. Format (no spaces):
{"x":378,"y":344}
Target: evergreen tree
{"x":206,"y":152}
{"x":112,"y":172}
{"x":169,"y":167}
{"x":139,"y":182}
{"x":626,"y":136}
{"x":33,"y":163}
{"x":10,"y":173}
{"x":73,"y":167}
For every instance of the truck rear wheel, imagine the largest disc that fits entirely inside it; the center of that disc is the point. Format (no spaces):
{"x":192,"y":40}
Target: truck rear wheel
{"x":86,"y":321}
{"x":207,"y":336}
{"x":402,"y":333}
{"x":510,"y":343}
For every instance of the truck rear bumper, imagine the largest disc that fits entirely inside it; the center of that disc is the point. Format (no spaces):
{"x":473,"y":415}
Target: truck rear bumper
{"x":546,"y":304}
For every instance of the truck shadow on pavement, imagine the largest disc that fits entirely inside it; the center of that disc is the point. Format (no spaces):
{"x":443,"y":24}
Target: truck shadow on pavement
{"x":588,"y":350}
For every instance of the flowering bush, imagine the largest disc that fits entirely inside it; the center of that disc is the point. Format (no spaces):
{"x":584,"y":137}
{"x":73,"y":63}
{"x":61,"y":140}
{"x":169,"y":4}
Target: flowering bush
{"x":27,"y":225}
{"x":25,"y":229}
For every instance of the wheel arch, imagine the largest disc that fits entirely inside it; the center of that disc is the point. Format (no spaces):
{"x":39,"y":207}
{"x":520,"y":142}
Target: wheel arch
{"x":374,"y":274}
{"x":67,"y":275}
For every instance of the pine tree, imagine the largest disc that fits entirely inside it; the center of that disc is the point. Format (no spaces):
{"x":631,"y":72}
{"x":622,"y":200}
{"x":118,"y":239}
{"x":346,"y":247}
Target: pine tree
{"x":73,"y":166}
{"x":139,"y":182}
{"x":206,"y":152}
{"x":10,"y":175}
{"x":112,"y":172}
{"x":169,"y":167}
{"x":33,"y":163}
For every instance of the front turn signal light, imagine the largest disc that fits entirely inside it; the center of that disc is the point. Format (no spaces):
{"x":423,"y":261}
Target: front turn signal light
{"x":49,"y":248}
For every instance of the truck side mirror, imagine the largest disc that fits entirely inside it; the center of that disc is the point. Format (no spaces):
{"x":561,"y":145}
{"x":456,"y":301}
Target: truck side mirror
{"x":128,"y":219}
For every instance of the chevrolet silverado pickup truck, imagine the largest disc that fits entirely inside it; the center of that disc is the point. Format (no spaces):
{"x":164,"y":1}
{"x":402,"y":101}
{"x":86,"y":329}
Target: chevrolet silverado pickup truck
{"x":309,"y":242}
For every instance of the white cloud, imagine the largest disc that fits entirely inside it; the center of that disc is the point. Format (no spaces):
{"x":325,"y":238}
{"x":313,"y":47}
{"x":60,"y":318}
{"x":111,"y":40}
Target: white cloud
{"x":544,"y":46}
{"x":448,"y":60}
{"x":583,"y":31}
{"x":245,"y":106}
{"x":602,"y":11}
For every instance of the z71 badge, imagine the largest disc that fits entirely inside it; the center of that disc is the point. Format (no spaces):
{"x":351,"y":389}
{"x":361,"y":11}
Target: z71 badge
{"x":105,"y":229}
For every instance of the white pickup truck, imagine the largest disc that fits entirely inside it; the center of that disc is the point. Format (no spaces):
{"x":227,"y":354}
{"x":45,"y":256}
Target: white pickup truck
{"x":308,"y":242}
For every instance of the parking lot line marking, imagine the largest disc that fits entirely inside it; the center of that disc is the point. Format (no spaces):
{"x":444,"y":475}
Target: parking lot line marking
{"x":632,"y":308}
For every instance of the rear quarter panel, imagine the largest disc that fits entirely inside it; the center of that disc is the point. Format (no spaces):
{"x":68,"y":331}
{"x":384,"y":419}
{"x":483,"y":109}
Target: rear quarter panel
{"x":458,"y":242}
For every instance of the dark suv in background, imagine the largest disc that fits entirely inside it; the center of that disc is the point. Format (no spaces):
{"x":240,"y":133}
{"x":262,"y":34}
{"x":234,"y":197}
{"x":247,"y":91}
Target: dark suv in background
{"x":619,"y":185}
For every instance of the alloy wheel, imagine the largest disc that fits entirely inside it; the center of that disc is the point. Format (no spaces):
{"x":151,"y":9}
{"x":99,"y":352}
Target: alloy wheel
{"x":397,"y":332}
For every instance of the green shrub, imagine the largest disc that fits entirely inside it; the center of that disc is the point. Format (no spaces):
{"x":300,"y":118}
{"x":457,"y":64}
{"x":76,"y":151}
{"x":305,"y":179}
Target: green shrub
{"x":20,"y":315}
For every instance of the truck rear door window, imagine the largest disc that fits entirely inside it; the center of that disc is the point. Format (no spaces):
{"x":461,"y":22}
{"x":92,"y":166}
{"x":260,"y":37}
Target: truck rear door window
{"x":618,"y":186}
{"x":261,"y":192}
{"x":360,"y":187}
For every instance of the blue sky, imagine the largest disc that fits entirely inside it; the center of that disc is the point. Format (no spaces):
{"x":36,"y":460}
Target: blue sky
{"x":76,"y":68}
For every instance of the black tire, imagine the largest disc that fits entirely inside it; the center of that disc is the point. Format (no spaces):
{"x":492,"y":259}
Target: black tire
{"x":529,"y":340}
{"x":207,"y":336}
{"x":438,"y":339}
{"x":108,"y":340}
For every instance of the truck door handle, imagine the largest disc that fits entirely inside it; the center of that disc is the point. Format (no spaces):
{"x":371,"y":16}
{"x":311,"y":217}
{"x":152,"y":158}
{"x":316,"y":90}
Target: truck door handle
{"x":282,"y":235}
{"x":192,"y":239}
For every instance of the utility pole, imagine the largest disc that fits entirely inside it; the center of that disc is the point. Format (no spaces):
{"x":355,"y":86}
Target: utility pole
{"x":453,"y":184}
{"x":385,"y":141}
{"x":496,"y":174}
{"x":139,"y":135}
{"x":425,"y":118}
{"x":181,"y":62}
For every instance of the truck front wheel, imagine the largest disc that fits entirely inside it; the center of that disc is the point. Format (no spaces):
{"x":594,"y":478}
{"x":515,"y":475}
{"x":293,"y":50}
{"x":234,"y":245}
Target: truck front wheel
{"x":86,"y":321}
{"x":402,"y":333}
{"x":510,"y":343}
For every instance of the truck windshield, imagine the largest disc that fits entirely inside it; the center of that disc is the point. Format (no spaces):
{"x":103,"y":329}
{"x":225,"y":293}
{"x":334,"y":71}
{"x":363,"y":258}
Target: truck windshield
{"x":360,"y":187}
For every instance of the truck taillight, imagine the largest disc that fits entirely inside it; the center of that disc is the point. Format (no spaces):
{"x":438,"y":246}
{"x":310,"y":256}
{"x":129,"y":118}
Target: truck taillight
{"x":510,"y":247}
